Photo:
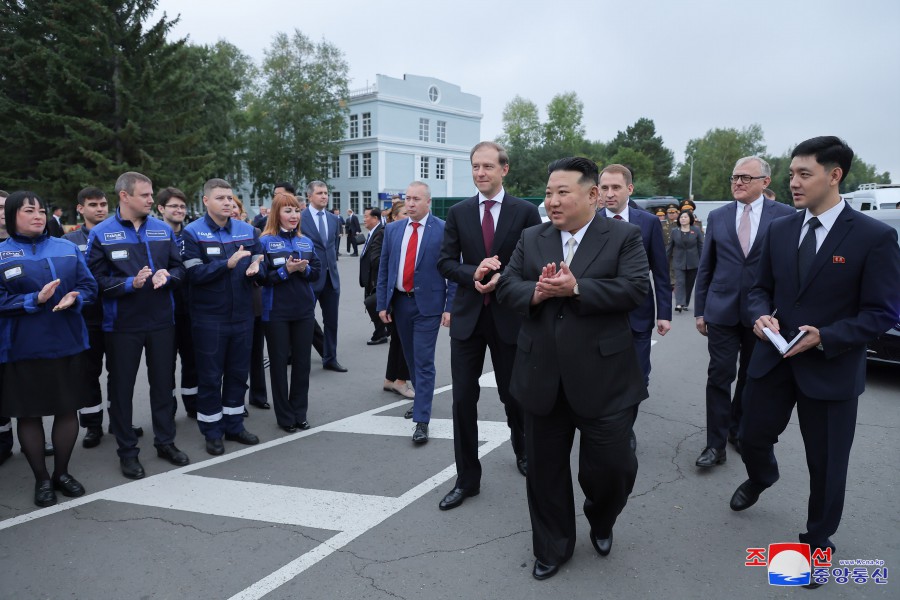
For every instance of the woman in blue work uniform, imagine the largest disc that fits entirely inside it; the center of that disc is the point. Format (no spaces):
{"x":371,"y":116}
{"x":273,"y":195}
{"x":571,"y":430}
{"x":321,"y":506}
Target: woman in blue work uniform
{"x":44,"y":282}
{"x":288,"y":304}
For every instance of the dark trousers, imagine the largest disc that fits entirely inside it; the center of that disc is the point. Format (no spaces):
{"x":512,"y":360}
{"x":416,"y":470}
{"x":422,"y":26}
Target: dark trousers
{"x":730,"y":347}
{"x":684,"y":285}
{"x":92,"y":360}
{"x":329,"y":298}
{"x":123,"y":357}
{"x":380,"y":329}
{"x":184,"y":344}
{"x":6,"y":436}
{"x":351,"y":241}
{"x":223,"y":364}
{"x":318,"y":338}
{"x":396,"y":363}
{"x":466,"y":365}
{"x":607,"y":468}
{"x":258,"y":392}
{"x":289,"y":339}
{"x":827,"y":428}
{"x":418,"y":333}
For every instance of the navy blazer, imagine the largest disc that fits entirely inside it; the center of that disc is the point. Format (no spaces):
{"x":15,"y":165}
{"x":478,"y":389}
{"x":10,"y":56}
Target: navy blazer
{"x":725,"y":275}
{"x":326,"y":249}
{"x":851,"y":295}
{"x":644,"y":317}
{"x":433,"y":295}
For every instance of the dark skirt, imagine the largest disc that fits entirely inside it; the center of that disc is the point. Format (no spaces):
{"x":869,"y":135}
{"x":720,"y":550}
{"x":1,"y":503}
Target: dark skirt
{"x":43,"y":387}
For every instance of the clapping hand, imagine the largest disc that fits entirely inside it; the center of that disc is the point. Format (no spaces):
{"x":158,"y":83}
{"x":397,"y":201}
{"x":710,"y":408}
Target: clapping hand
{"x":253,"y":269}
{"x":67,"y":301}
{"x":237,"y":256}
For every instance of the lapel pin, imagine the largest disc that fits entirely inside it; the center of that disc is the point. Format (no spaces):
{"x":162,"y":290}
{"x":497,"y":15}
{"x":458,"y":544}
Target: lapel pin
{"x":838,"y":260}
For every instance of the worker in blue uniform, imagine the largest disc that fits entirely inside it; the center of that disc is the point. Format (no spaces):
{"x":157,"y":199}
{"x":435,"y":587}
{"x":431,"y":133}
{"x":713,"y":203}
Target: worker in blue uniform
{"x":222,"y":258}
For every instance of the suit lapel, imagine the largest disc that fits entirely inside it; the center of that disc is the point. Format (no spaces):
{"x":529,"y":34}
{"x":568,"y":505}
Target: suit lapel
{"x":765,"y":218}
{"x":550,"y":246}
{"x":842,"y":227}
{"x":315,"y":227}
{"x":507,"y":215}
{"x":729,"y":225}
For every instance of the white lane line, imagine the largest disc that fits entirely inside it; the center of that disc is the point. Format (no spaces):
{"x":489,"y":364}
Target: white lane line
{"x":398,"y":426}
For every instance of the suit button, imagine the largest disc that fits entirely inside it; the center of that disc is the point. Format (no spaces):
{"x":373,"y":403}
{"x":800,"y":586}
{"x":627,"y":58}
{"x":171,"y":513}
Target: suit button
{"x":559,"y":316}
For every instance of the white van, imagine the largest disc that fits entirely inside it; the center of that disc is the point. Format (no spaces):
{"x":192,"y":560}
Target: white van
{"x":874,"y":196}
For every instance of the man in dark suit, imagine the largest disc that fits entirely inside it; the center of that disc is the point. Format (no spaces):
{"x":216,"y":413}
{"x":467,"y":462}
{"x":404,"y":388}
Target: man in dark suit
{"x":54,"y":222}
{"x":834,"y":273}
{"x":728,"y":266}
{"x":352,"y":228}
{"x":575,"y":365}
{"x":414,"y":295}
{"x":616,"y":187}
{"x":369,"y":260}
{"x":322,"y":227}
{"x":479,"y":238}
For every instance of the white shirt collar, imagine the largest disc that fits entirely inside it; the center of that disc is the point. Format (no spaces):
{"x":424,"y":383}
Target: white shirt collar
{"x":498,"y":198}
{"x":828,"y":217}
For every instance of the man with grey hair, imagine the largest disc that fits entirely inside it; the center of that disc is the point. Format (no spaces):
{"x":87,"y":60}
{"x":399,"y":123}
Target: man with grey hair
{"x":323,"y":228}
{"x":728,"y":268}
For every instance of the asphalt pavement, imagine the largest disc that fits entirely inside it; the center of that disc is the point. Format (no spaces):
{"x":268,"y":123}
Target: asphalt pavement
{"x":349,"y":508}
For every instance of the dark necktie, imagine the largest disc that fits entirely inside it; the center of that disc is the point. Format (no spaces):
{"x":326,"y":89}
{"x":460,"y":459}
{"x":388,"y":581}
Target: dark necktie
{"x":618,"y":218}
{"x":487,"y":233}
{"x":806,"y":253}
{"x":409,"y":264}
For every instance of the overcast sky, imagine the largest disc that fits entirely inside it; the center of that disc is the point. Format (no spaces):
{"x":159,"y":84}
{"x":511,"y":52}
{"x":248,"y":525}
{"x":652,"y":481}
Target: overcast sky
{"x":798,"y":68}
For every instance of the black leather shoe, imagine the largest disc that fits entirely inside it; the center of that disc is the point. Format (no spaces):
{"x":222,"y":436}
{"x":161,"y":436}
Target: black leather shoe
{"x":68,"y":485}
{"x":602,"y":545}
{"x":289,"y":428}
{"x":262,"y":405}
{"x":48,"y":449}
{"x":44,"y":494}
{"x":92,"y":437}
{"x":138,"y":431}
{"x":4,"y":456}
{"x":812,"y":585}
{"x":522,"y":465}
{"x":408,"y":414}
{"x":131,"y":467}
{"x":304,"y":425}
{"x":542,"y":571}
{"x":335,"y":366}
{"x":710,"y":457}
{"x":244,"y":437}
{"x":245,"y":414}
{"x":215,"y":447}
{"x":746,"y":495}
{"x":172,"y":454}
{"x":420,"y":435}
{"x":377,"y":341}
{"x":456,"y":497}
{"x":632,"y":441}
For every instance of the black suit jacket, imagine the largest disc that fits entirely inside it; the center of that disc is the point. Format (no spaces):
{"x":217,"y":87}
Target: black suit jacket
{"x":851,"y":296}
{"x":583,"y":342}
{"x":463,"y":250}
{"x":352,"y":225}
{"x":54,"y":228}
{"x":370,"y":259}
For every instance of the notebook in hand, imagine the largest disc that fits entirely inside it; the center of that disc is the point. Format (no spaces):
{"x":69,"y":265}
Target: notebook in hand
{"x":782,"y":344}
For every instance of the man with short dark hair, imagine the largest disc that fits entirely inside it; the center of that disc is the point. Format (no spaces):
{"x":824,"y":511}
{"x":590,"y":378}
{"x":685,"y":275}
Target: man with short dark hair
{"x":574,"y":280}
{"x":833,"y":274}
{"x":222,"y":257}
{"x":352,"y":228}
{"x":135,"y":260}
{"x":369,"y":260}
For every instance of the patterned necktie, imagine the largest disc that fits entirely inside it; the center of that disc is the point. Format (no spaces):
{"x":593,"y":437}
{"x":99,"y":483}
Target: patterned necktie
{"x":744,"y":230}
{"x":487,"y":234}
{"x":409,"y":264}
{"x":806,"y":253}
{"x":618,"y":218}
{"x":570,"y":254}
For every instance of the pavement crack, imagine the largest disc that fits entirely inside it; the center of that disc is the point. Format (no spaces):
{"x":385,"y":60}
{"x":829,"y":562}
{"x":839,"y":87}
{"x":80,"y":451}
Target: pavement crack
{"x":669,"y":419}
{"x":679,"y":474}
{"x":431,"y":552}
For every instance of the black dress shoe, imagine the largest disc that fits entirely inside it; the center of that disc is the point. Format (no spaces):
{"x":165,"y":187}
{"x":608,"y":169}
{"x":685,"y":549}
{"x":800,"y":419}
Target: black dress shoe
{"x":131,"y":467}
{"x":304,"y":425}
{"x":262,"y":405}
{"x":746,"y":495}
{"x":812,"y":585}
{"x":420,"y":435}
{"x":4,"y":456}
{"x":602,"y":545}
{"x":289,"y":428}
{"x":377,"y":341}
{"x":244,"y":437}
{"x":522,"y":465}
{"x":456,"y":497}
{"x":92,"y":437}
{"x":710,"y":457}
{"x":245,"y":414}
{"x":48,"y":449}
{"x":44,"y":494}
{"x":335,"y":366}
{"x":215,"y":447}
{"x":68,"y":485}
{"x":138,"y":431}
{"x":542,"y":571}
{"x":408,"y":414}
{"x":172,"y":454}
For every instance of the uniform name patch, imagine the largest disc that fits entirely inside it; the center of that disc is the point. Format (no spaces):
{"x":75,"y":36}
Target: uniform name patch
{"x":115,"y":236}
{"x":157,"y":233}
{"x":12,"y":273}
{"x":12,"y":254}
{"x":83,"y":247}
{"x":213,"y":251}
{"x":119,"y":255}
{"x":278,"y":261}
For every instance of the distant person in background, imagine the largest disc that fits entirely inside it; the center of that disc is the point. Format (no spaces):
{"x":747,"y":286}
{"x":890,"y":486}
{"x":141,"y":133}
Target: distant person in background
{"x":769,"y":194}
{"x":341,"y":230}
{"x":369,"y":259}
{"x":259,"y":221}
{"x":54,"y":223}
{"x":352,"y":229}
{"x":684,"y":251}
{"x":396,"y":373}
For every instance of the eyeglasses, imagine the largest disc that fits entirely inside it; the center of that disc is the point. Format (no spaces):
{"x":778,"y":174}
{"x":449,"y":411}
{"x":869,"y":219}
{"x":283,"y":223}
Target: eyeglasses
{"x":744,"y":178}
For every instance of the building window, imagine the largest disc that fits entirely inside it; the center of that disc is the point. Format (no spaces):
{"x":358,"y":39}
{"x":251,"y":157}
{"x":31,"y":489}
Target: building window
{"x":441,"y":134}
{"x":367,"y":201}
{"x":439,"y":164}
{"x":354,"y":202}
{"x":367,"y":164}
{"x":367,"y":124}
{"x":354,"y":126}
{"x":354,"y":165}
{"x":434,"y":94}
{"x":423,"y":130}
{"x":335,"y":199}
{"x":334,"y":167}
{"x":423,"y":167}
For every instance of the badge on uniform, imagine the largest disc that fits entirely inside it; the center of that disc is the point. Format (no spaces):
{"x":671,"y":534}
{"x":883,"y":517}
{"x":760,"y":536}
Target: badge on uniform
{"x":213,"y":251}
{"x":12,"y":254}
{"x":119,"y":255}
{"x":838,"y":260}
{"x":12,"y":273}
{"x":278,"y":261}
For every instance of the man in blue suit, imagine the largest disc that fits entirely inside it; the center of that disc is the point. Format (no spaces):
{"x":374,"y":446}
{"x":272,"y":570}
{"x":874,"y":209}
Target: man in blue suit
{"x":833,"y":273}
{"x":323,"y":228}
{"x":414,"y":295}
{"x":728,"y":265}
{"x":616,"y":187}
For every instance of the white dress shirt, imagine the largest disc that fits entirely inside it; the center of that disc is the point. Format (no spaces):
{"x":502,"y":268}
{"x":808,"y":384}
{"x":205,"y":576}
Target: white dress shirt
{"x":827,"y":220}
{"x":565,"y":235}
{"x":495,"y":209}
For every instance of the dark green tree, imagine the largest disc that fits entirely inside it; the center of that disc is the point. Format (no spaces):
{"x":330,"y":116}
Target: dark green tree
{"x":641,"y":137}
{"x":714,"y":157}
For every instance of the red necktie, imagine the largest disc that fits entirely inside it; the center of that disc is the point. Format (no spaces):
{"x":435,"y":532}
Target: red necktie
{"x":487,"y":232}
{"x":619,"y":217}
{"x":409,"y":264}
